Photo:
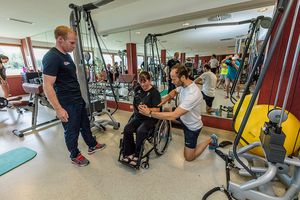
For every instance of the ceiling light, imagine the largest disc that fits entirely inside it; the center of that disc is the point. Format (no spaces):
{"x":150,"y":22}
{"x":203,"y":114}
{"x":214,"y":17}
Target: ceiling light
{"x":219,"y":17}
{"x":163,"y":41}
{"x":186,"y":24}
{"x":137,"y":32}
{"x":21,"y":21}
{"x":262,"y":9}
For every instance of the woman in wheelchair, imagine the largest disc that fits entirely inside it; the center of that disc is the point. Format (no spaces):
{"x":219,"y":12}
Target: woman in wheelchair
{"x":145,"y":94}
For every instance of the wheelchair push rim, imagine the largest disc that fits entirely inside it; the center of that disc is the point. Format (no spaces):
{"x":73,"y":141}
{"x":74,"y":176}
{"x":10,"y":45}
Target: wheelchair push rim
{"x":161,"y":137}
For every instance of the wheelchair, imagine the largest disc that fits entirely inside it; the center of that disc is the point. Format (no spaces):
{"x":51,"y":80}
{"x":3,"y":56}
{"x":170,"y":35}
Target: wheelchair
{"x":158,"y":137}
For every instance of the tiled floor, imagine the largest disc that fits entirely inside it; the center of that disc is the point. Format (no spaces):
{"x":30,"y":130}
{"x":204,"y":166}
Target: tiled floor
{"x":50,"y":175}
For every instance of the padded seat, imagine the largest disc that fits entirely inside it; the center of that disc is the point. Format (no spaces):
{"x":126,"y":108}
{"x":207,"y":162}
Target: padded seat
{"x":32,"y":88}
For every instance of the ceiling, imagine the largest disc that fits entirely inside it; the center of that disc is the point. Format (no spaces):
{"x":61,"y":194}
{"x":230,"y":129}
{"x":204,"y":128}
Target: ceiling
{"x":46,"y":15}
{"x":202,"y":41}
{"x":121,"y":19}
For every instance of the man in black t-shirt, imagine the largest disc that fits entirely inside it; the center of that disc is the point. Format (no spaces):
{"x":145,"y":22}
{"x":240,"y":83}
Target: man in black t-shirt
{"x":145,"y":94}
{"x":170,"y":64}
{"x":63,"y":91}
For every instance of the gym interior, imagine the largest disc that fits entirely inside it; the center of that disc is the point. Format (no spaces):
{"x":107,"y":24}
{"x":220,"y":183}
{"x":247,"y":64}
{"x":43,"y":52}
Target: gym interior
{"x":241,"y":55}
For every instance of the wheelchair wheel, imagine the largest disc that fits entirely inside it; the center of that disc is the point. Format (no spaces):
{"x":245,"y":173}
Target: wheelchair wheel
{"x":161,"y":137}
{"x":145,"y":165}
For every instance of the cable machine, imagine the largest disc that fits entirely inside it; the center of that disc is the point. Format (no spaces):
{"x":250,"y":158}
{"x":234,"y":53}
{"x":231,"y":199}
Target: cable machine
{"x":272,"y":137}
{"x":93,"y":93}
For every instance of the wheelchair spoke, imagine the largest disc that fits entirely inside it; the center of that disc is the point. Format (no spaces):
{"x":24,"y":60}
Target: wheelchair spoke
{"x":162,"y":137}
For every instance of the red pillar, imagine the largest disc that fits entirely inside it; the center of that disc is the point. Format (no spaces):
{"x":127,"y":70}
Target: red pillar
{"x":163,"y":56}
{"x":32,"y":57}
{"x":131,"y":58}
{"x":24,"y":51}
{"x":270,"y":83}
{"x":196,"y":61}
{"x":182,"y":58}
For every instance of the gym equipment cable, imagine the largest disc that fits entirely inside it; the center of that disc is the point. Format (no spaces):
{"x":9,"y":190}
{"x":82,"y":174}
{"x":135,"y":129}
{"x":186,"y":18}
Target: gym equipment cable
{"x":75,"y":20}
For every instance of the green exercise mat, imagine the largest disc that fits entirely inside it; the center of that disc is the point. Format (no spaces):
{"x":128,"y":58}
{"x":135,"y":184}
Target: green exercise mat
{"x":15,"y":158}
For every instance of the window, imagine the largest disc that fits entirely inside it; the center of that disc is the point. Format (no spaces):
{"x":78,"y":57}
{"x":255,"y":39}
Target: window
{"x":140,"y":60}
{"x":119,"y":60}
{"x":108,"y":59}
{"x":16,"y":63}
{"x":39,"y":53}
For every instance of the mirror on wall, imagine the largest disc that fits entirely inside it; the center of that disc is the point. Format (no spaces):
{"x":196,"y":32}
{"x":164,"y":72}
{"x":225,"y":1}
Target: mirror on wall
{"x":204,"y":42}
{"x":201,"y":43}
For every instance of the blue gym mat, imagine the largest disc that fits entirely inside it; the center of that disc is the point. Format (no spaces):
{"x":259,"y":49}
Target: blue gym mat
{"x":15,"y":158}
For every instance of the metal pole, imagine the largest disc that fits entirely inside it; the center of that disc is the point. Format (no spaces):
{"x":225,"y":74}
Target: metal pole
{"x":286,"y":53}
{"x":75,"y":23}
{"x":159,"y":63}
{"x":204,"y":26}
{"x":152,"y":64}
{"x":290,"y":81}
{"x":95,"y":5}
{"x":146,"y":52}
{"x":102,"y":57}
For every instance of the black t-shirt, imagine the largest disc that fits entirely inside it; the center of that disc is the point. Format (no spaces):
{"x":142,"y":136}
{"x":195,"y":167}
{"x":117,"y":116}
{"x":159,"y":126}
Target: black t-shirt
{"x":66,"y":85}
{"x":171,"y":63}
{"x":151,"y":98}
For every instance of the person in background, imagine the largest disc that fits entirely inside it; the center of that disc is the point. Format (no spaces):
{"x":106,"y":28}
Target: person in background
{"x":3,"y":79}
{"x":189,"y":65}
{"x":223,"y":74}
{"x":170,"y":64}
{"x":233,"y":65}
{"x":117,"y":71}
{"x":214,"y":63}
{"x":110,"y":72}
{"x":209,"y":81}
{"x":62,"y":89}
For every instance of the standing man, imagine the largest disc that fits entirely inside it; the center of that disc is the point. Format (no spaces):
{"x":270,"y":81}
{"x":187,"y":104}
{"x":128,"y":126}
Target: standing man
{"x":170,"y":64}
{"x":188,"y":112}
{"x":63,"y":91}
{"x":214,"y":63}
{"x":209,"y":81}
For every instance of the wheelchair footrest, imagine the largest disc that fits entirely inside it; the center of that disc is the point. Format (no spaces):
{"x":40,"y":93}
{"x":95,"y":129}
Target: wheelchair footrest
{"x":137,"y":167}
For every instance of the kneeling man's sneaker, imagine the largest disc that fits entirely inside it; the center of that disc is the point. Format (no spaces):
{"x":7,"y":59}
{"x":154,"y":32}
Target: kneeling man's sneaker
{"x":98,"y":147}
{"x":214,"y":143}
{"x":80,"y":160}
